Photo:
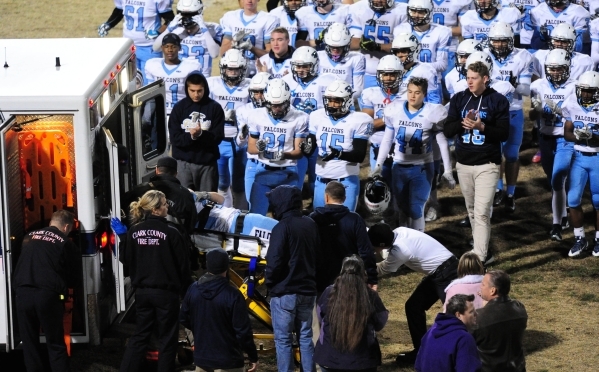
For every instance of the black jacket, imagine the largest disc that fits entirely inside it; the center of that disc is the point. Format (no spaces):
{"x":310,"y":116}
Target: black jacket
{"x":157,"y":256}
{"x":48,"y":260}
{"x":475,"y":148}
{"x":217,"y":315}
{"x":181,"y":205}
{"x":501,"y":325}
{"x":342,"y":233}
{"x":204,"y":149}
{"x":291,"y":256}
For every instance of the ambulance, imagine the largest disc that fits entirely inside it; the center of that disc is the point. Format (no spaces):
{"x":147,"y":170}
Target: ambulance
{"x":75,"y":134}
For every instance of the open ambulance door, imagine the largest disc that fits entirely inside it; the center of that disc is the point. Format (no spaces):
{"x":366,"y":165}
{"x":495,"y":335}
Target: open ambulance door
{"x":117,"y":266}
{"x":150,"y":129}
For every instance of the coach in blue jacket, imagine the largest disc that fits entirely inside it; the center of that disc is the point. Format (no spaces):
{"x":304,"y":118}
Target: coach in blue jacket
{"x":479,"y":116}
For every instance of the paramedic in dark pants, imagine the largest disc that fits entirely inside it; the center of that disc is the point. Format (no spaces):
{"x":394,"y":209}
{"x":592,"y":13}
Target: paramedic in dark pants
{"x":159,"y":266}
{"x":48,"y":265}
{"x":480,"y":118}
{"x":425,"y":255}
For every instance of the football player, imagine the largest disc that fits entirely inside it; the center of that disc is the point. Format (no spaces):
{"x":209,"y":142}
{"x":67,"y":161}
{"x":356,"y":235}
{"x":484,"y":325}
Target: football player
{"x":286,"y":15}
{"x":278,"y":61}
{"x":341,"y":137}
{"x":230,"y":90}
{"x":547,"y":98}
{"x":276,"y":132}
{"x":526,"y":32}
{"x":582,"y":128}
{"x":411,"y":124}
{"x":372,"y":27}
{"x":336,"y":58}
{"x":515,"y":66}
{"x":312,"y":21}
{"x":458,"y":72}
{"x":477,"y":22}
{"x":248,"y":29}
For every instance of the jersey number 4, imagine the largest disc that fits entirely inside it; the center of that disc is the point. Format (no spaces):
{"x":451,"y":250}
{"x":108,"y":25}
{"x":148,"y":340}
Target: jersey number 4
{"x":415,"y":142}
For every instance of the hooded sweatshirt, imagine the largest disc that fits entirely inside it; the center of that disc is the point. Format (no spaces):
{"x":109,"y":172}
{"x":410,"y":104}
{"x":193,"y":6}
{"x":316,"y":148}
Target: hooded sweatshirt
{"x":342,"y":233}
{"x":291,"y":256}
{"x":217,"y":315}
{"x":447,"y":346}
{"x":204,"y":149}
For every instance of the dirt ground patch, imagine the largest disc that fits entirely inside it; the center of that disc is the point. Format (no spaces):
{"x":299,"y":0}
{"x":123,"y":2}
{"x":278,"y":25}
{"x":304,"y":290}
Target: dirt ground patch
{"x":560,"y":294}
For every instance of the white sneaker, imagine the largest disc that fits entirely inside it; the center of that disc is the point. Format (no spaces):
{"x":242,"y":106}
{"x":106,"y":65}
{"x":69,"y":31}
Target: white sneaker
{"x":431,"y":215}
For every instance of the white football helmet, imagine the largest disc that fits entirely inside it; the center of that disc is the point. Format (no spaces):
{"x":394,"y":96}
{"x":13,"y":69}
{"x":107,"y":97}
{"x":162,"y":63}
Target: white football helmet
{"x":417,"y":7}
{"x":464,"y":50}
{"x":257,"y":85}
{"x":556,"y":3}
{"x":483,"y":6}
{"x":277,"y":93}
{"x":338,"y":90}
{"x":406,"y":41}
{"x":587,"y":83}
{"x":479,"y":57}
{"x":304,"y":55}
{"x":377,"y":195}
{"x":289,"y":9}
{"x":389,"y":64}
{"x":233,"y":60}
{"x":386,"y":4}
{"x":557,"y":66}
{"x":337,"y":36}
{"x":501,"y":31}
{"x":190,"y":6}
{"x":563,"y":33}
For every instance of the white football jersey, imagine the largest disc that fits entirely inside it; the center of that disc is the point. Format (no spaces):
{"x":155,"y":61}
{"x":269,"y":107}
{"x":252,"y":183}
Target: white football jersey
{"x":142,"y":15}
{"x":374,"y":98}
{"x":434,"y":43}
{"x":308,"y":97}
{"x":308,"y":19}
{"x":195,"y":47}
{"x":374,"y":26}
{"x":574,"y":15}
{"x":276,"y":70}
{"x":518,"y":63}
{"x":259,"y":26}
{"x":548,"y":123}
{"x":452,"y":81}
{"x":281,"y":134}
{"x":475,"y":27}
{"x":579,"y":63}
{"x":338,"y":134}
{"x":425,"y":71}
{"x":448,"y":13}
{"x":286,"y":22}
{"x":526,"y":5}
{"x":350,"y":69}
{"x":413,"y":132}
{"x":173,"y":76}
{"x":581,"y":117}
{"x":230,"y":98}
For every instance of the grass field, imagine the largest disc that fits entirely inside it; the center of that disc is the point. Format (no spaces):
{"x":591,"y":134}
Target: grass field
{"x":560,"y":294}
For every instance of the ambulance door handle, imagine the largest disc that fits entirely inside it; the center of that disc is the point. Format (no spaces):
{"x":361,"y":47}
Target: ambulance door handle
{"x":151,"y":167}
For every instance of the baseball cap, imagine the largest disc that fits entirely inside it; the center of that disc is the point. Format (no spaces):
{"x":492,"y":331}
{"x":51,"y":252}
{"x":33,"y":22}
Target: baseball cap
{"x":168,"y":162}
{"x":381,"y":235}
{"x":171,"y":39}
{"x":217,"y":261}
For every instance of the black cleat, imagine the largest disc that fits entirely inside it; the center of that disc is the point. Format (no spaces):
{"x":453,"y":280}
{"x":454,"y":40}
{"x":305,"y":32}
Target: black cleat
{"x":464,"y":222}
{"x":510,"y":203}
{"x":556,"y":233}
{"x":498,"y":198}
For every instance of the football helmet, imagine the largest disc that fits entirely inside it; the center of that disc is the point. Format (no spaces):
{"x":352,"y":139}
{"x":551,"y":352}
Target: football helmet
{"x":483,"y":6}
{"x":387,"y":4}
{"x":289,"y":9}
{"x":479,"y":57}
{"x":406,"y":41}
{"x":304,"y":55}
{"x":501,"y":32}
{"x":341,"y":92}
{"x":337,"y":36}
{"x":563,"y":33}
{"x":277,"y":93}
{"x":257,"y":85}
{"x":587,"y":88}
{"x":465,"y":49}
{"x":377,"y":195}
{"x":188,"y":9}
{"x":389,"y":64}
{"x":558,"y":61}
{"x":419,"y":6}
{"x":556,"y":3}
{"x":233,"y":60}
{"x":322,"y":3}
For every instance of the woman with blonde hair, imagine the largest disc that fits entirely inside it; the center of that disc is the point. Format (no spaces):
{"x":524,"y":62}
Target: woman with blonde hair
{"x":158,"y":262}
{"x":350,"y":314}
{"x":470,"y":274}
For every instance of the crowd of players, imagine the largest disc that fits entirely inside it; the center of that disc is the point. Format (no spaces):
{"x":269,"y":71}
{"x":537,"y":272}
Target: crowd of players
{"x":309,"y":87}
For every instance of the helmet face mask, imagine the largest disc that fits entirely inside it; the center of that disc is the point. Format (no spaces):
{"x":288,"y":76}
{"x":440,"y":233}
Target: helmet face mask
{"x":233,"y":67}
{"x":463,"y":51}
{"x":559,"y":43}
{"x":292,"y":8}
{"x":501,"y":40}
{"x":380,"y":6}
{"x":277,"y":98}
{"x":188,"y":9}
{"x":304,"y":64}
{"x":557,"y":66}
{"x":587,"y":89}
{"x":563,"y":36}
{"x":389,"y":72}
{"x":322,"y":3}
{"x":337,"y":99}
{"x":556,"y":3}
{"x":483,"y":6}
{"x":419,"y":12}
{"x":406,"y":47}
{"x":377,"y":195}
{"x":256,"y":88}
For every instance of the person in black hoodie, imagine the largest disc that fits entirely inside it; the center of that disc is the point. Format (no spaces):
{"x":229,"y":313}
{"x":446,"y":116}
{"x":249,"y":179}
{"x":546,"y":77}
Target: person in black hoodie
{"x":479,"y":117}
{"x":196,"y":127}
{"x":217,"y":315}
{"x":342,"y":233}
{"x":159,"y":268}
{"x":290,"y":276}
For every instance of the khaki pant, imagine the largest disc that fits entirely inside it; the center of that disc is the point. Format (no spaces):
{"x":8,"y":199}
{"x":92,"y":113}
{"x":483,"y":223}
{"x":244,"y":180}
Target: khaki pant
{"x":478,"y":184}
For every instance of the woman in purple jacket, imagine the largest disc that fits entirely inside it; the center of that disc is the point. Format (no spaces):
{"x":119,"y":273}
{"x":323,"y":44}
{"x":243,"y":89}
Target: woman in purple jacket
{"x":470,"y":275}
{"x":350,"y":314}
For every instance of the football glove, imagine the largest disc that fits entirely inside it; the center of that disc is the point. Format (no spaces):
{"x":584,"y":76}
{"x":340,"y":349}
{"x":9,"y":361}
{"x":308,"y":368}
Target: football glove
{"x":261,"y":144}
{"x":199,"y":20}
{"x":306,"y":146}
{"x":176,"y":22}
{"x":369,"y":44}
{"x":555,"y":109}
{"x":238,"y":38}
{"x":276,"y":156}
{"x":244,"y":45}
{"x":583,"y":133}
{"x":448,"y":176}
{"x":513,"y":80}
{"x":377,"y":171}
{"x":537,"y":104}
{"x":320,"y":39}
{"x":230,"y":115}
{"x":334,"y":154}
{"x":544,"y":31}
{"x":103,"y":29}
{"x":151,"y":34}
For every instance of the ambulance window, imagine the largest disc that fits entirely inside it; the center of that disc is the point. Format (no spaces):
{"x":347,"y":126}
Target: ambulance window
{"x":153,"y":128}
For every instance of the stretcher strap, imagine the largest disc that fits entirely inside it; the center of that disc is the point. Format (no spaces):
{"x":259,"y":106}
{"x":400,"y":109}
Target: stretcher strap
{"x":238,"y":229}
{"x":252,"y":275}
